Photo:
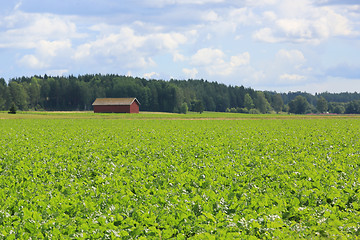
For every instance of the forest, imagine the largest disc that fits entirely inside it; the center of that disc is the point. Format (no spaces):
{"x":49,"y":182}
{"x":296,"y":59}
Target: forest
{"x":67,"y":93}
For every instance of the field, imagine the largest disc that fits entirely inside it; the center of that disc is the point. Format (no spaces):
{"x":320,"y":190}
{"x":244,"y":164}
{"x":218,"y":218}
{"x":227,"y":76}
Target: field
{"x":171,"y":176}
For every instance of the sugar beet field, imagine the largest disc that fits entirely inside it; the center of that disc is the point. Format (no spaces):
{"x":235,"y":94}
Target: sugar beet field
{"x":153,"y":176}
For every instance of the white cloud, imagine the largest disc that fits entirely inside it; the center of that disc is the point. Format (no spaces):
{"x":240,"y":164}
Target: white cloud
{"x":303,"y":22}
{"x":162,"y":3}
{"x":25,"y":30}
{"x":57,"y":72}
{"x":46,"y":54}
{"x":53,"y":48}
{"x":208,"y":56}
{"x":190,"y":73}
{"x":178,"y":57}
{"x":213,"y":61}
{"x":226,"y":22}
{"x":151,"y":75}
{"x":210,"y":16}
{"x":17,"y":6}
{"x":265,"y":35}
{"x":260,"y":3}
{"x":243,"y":16}
{"x":166,"y":41}
{"x":291,"y":78}
{"x":239,"y":60}
{"x":133,"y":49}
{"x":295,"y":28}
{"x":290,"y":56}
{"x":30,"y":61}
{"x":269,"y":16}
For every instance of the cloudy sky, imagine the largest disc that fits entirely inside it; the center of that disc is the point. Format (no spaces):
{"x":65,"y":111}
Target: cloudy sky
{"x":281,"y":45}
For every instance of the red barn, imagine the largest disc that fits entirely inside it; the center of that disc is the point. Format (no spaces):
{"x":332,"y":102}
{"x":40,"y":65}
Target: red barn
{"x":116,"y":105}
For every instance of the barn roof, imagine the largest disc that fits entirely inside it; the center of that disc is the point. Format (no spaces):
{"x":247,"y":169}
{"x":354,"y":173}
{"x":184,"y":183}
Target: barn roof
{"x":114,"y":101}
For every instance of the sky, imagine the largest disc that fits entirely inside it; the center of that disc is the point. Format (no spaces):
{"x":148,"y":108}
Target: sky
{"x":275,"y":45}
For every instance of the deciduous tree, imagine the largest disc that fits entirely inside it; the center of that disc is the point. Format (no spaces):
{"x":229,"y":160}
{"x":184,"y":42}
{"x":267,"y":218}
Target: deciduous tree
{"x":277,"y":103}
{"x":298,"y":105}
{"x":322,"y":105}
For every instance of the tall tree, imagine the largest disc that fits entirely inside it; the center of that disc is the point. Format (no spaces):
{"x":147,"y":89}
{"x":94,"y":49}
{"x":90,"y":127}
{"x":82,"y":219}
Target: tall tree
{"x":277,"y":103}
{"x":322,"y":105}
{"x":298,"y":105}
{"x":184,"y":108}
{"x":18,"y":95}
{"x":198,"y":106}
{"x":3,"y":94}
{"x":248,"y":102}
{"x":353,"y":107}
{"x":34,"y":93}
{"x":261,"y":102}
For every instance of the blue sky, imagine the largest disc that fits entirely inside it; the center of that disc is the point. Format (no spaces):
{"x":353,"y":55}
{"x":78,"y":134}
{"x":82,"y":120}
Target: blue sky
{"x":279,"y":45}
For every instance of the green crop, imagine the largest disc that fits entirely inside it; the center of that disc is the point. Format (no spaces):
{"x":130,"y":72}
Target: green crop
{"x":179,"y":179}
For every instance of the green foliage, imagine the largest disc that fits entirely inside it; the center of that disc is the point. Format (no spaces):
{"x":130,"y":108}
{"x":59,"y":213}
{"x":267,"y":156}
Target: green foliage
{"x":18,"y":95}
{"x":261,"y":103}
{"x":62,"y":93}
{"x":299,"y":105}
{"x":198,"y":107}
{"x":322,"y":105}
{"x":12,"y":109}
{"x":184,"y":108}
{"x":237,"y":110}
{"x":277,"y":103}
{"x":254,"y":111}
{"x":248,"y":102}
{"x":353,"y":107}
{"x":164,"y":179}
{"x":338,"y":108}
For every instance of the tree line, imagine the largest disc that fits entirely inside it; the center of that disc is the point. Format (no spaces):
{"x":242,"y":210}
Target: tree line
{"x":56,"y":93}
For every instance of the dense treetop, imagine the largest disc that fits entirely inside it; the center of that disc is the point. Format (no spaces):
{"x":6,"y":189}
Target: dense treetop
{"x":78,"y":93}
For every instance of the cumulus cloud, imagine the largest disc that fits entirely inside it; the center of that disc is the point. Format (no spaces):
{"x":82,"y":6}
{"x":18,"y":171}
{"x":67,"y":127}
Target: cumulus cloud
{"x":266,"y":35}
{"x":243,"y":16}
{"x":269,"y":16}
{"x":30,"y":61}
{"x":293,"y":78}
{"x":190,"y":73}
{"x":178,"y":57}
{"x":57,"y":72}
{"x":214,"y":61}
{"x":24,"y":30}
{"x":302,"y":22}
{"x":226,"y":22}
{"x":47,"y":38}
{"x":53,"y":48}
{"x":210,"y":16}
{"x":151,"y":75}
{"x":134,"y":50}
{"x":239,"y":60}
{"x":208,"y":56}
{"x":162,"y":3}
{"x":46,"y":53}
{"x":293,"y":57}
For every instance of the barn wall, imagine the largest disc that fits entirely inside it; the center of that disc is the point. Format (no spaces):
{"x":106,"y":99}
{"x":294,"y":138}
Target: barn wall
{"x":134,"y":107}
{"x":111,"y":109}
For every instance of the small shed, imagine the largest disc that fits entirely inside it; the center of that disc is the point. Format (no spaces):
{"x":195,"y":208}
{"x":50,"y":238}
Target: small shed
{"x":116,"y":105}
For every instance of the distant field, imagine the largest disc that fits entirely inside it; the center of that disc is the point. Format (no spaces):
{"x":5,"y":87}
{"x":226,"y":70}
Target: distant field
{"x":159,"y":115}
{"x":150,"y":176}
